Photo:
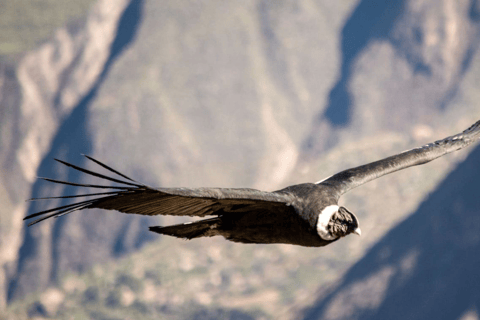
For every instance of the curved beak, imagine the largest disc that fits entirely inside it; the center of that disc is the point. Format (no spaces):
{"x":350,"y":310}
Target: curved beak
{"x":357,"y":230}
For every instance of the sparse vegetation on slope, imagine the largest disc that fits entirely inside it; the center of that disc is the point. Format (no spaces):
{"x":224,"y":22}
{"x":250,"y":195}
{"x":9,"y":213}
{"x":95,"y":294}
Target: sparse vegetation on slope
{"x":25,"y":24}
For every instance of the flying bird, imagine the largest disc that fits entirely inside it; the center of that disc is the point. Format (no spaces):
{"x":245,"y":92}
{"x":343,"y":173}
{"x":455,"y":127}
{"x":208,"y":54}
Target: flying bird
{"x":306,"y":214}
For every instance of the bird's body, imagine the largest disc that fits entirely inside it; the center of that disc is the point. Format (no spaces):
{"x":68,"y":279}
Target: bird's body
{"x":306,"y":214}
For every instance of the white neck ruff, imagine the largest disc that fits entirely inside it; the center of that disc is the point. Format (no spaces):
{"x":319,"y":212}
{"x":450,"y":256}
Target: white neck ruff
{"x":323,"y":220}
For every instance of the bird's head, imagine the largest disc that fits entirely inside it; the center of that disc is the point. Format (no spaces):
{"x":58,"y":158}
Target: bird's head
{"x":335,"y":222}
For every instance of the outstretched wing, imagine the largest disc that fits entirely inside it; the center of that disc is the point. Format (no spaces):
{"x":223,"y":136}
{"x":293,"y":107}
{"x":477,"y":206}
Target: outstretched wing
{"x":129,"y":196}
{"x":352,"y":178}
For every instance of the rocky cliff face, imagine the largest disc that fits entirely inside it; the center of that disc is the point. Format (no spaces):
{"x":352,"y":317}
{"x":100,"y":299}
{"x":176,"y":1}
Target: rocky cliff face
{"x":239,"y":94}
{"x":404,"y":61}
{"x":37,"y":95}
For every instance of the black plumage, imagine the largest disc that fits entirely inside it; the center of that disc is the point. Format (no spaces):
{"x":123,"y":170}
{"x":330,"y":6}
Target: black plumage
{"x":306,"y":214}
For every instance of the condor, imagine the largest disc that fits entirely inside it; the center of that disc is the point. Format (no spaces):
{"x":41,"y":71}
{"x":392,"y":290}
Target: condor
{"x":306,"y":214}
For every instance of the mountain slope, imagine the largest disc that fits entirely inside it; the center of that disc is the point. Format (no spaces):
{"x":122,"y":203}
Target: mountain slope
{"x":37,"y":94}
{"x":230,"y":94}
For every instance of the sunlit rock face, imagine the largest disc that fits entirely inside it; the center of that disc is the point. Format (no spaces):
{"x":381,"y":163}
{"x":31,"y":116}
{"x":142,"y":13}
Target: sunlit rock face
{"x":37,"y":95}
{"x":230,"y":94}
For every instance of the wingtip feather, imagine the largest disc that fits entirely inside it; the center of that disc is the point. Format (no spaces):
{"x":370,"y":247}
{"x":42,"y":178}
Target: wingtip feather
{"x":98,"y":175}
{"x":109,"y":168}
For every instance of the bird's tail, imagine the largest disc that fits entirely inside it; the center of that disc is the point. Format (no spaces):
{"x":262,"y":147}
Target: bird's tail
{"x":190,"y":230}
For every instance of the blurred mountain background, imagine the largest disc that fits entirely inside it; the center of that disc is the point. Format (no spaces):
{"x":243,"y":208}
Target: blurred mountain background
{"x":257,"y":93}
